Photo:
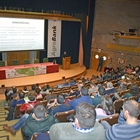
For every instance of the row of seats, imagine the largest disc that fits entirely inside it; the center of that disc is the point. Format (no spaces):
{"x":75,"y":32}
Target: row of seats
{"x":26,"y":61}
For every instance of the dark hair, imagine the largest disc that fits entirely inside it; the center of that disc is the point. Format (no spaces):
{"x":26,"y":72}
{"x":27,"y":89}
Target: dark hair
{"x":33,"y":87}
{"x":32,"y":95}
{"x":84,"y":91}
{"x":133,"y":107}
{"x":39,"y":111}
{"x":101,"y":90}
{"x":107,"y":104}
{"x":60,"y":99}
{"x":86,"y":115}
{"x":37,"y":90}
{"x":21,"y":95}
{"x":134,"y":89}
{"x":25,"y":88}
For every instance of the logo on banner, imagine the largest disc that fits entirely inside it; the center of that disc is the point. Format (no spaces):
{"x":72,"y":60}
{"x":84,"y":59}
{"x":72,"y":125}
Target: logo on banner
{"x":54,"y":38}
{"x":54,"y":41}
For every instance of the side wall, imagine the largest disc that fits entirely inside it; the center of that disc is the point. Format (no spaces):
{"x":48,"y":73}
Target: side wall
{"x":112,"y":16}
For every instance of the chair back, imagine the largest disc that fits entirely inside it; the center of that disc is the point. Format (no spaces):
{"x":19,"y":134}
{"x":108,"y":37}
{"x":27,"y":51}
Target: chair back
{"x":71,"y":97}
{"x":2,"y":63}
{"x":62,"y":116}
{"x":15,"y":62}
{"x":26,"y":61}
{"x":36,"y":61}
{"x":45,"y":60}
{"x":111,"y":120}
{"x":117,"y":105}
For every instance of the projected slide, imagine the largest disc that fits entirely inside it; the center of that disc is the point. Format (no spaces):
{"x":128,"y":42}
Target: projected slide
{"x":17,"y":34}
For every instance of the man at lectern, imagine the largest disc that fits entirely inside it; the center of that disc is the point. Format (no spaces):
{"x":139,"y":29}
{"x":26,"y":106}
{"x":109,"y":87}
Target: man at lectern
{"x":65,"y":54}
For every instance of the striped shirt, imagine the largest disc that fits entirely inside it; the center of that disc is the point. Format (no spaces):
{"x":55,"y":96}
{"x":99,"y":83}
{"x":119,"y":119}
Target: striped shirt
{"x":123,"y":131}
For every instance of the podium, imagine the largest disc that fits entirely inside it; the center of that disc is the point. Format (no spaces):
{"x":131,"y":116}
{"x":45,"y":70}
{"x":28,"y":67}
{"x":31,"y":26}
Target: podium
{"x":66,"y":63}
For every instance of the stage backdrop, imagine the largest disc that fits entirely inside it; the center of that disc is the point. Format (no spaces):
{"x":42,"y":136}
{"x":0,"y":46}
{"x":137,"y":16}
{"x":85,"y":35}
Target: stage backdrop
{"x":70,"y":36}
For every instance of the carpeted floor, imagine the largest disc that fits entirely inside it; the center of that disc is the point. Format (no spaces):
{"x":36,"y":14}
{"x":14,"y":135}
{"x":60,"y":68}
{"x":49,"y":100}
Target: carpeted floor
{"x":4,"y":135}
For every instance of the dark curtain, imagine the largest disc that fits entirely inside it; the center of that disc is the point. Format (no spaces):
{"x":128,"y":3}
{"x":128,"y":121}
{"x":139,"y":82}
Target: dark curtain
{"x":68,"y":7}
{"x":70,"y":35}
{"x":43,"y":54}
{"x":0,"y":56}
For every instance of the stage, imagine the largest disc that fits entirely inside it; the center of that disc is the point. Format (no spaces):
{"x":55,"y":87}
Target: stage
{"x":52,"y":79}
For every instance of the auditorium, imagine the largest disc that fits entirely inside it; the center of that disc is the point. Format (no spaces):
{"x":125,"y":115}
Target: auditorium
{"x":69,"y":69}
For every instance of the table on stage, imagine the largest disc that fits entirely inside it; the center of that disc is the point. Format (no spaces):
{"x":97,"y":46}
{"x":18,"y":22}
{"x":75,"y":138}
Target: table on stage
{"x":27,"y":70}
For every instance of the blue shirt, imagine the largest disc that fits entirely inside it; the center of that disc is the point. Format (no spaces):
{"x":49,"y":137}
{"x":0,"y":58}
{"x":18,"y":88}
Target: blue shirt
{"x":81,"y":99}
{"x":61,"y":108}
{"x":15,"y":102}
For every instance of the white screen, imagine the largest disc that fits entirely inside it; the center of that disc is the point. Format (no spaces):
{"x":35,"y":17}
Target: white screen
{"x":17,"y":34}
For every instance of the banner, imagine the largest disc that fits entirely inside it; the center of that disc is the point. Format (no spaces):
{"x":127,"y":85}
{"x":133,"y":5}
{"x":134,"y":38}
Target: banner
{"x":54,"y":38}
{"x":21,"y":72}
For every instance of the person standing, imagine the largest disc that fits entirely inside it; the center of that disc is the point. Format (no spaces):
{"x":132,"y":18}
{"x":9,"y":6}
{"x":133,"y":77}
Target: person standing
{"x":100,"y":64}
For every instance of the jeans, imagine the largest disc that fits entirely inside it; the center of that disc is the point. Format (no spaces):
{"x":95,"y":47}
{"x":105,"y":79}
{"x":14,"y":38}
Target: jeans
{"x":21,"y":122}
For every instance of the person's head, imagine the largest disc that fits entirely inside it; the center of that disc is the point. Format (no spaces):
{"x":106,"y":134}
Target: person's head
{"x":109,"y":85}
{"x":60,"y":99}
{"x":33,"y":87}
{"x":84,"y":91}
{"x":37,"y":90}
{"x":101,"y":90}
{"x":39,"y":111}
{"x":65,"y":52}
{"x":85,"y":115}
{"x":32,"y":95}
{"x":131,"y":108}
{"x":107,"y":105}
{"x":21,"y":95}
{"x":25,"y":88}
{"x":134,"y":89}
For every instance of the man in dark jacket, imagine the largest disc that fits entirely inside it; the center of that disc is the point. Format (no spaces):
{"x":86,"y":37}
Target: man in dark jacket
{"x":39,"y":121}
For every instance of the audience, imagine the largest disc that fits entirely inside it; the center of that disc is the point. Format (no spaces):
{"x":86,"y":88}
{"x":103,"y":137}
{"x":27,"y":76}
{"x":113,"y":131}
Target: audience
{"x":38,"y":121}
{"x":84,"y":127}
{"x":58,"y":105}
{"x":134,"y":91}
{"x":127,"y":129}
{"x":107,"y":107}
{"x":83,"y":98}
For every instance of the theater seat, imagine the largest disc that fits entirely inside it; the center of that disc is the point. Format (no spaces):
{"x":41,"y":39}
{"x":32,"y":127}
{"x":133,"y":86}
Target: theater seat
{"x":45,"y":60}
{"x":2,"y":63}
{"x":26,"y":61}
{"x":36,"y":61}
{"x":62,"y":116}
{"x":15,"y":62}
{"x":111,"y":120}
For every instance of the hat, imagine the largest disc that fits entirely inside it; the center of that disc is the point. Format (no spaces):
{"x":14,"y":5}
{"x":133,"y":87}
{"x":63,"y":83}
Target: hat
{"x":39,"y":111}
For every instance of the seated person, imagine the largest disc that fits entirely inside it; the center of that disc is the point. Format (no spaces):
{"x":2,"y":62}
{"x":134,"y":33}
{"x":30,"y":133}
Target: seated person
{"x":93,"y":88}
{"x":83,"y":98}
{"x":107,"y":107}
{"x":25,"y":90}
{"x":66,"y":84}
{"x":38,"y":121}
{"x":30,"y":103}
{"x":134,"y":91}
{"x":58,"y":105}
{"x":39,"y":95}
{"x":126,"y":130}
{"x":84,"y":127}
{"x":72,"y":82}
{"x":97,"y":97}
{"x":17,"y":99}
{"x":110,"y":89}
